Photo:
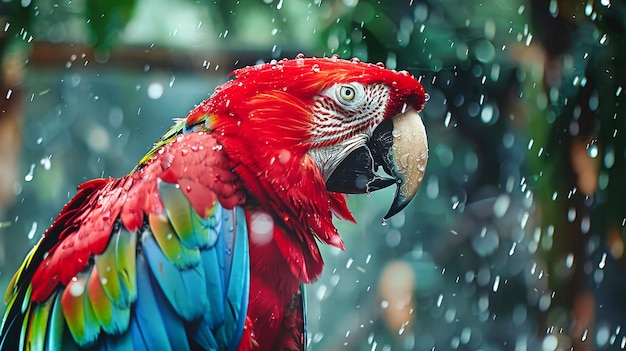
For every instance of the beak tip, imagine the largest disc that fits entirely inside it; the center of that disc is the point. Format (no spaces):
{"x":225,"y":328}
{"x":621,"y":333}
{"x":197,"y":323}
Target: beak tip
{"x":399,"y":203}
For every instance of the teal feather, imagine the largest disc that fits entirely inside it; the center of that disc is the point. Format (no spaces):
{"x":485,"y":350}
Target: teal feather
{"x":222,"y":325}
{"x":239,"y":279}
{"x":26,"y":301}
{"x":187,"y":297}
{"x":56,"y":327}
{"x":147,"y":328}
{"x":214,"y":286}
{"x":24,"y":329}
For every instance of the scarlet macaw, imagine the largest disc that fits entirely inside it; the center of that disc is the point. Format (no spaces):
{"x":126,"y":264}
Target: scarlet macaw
{"x":206,"y":243}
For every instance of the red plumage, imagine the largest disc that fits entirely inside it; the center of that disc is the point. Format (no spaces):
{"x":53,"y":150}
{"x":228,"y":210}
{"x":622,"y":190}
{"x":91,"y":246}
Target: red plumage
{"x":193,"y":161}
{"x":250,"y":147}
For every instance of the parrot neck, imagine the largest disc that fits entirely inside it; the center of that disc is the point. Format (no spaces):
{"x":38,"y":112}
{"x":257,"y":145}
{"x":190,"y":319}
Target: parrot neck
{"x":278,"y":174}
{"x":288,"y":186}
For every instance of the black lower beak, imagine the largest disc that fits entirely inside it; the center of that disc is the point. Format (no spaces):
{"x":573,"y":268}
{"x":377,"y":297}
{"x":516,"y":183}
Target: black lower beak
{"x":356,"y":174}
{"x":399,"y":146}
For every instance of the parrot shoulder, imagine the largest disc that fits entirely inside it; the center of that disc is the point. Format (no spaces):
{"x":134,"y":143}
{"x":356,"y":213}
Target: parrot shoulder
{"x":162,"y":231}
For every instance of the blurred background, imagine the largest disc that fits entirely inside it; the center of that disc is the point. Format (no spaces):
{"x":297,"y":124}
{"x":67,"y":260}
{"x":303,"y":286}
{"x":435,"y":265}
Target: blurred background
{"x":516,"y":239}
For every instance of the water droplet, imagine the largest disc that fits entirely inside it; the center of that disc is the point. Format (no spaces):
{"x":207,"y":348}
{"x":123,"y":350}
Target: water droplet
{"x":155,"y":90}
{"x":404,"y":160}
{"x":77,"y":288}
{"x":29,"y":176}
{"x":317,"y":337}
{"x":261,"y":228}
{"x":321,"y":292}
{"x":602,"y":263}
{"x":569,"y":260}
{"x":439,"y":300}
{"x":603,"y":39}
{"x":592,"y":151}
{"x":501,"y":205}
{"x":496,"y":283}
{"x":513,"y":246}
{"x":45,"y":162}
{"x":571,"y":214}
{"x":32,"y":231}
{"x":446,"y":121}
{"x":349,"y":263}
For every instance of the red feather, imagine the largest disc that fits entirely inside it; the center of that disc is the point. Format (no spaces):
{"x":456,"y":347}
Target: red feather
{"x":194,"y":162}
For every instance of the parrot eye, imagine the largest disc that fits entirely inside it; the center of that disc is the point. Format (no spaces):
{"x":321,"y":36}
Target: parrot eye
{"x":347,"y":93}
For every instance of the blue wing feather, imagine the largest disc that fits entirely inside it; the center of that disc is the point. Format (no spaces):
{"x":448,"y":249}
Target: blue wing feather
{"x":198,"y":307}
{"x":147,"y":326}
{"x":239,"y":277}
{"x":222,"y":325}
{"x":187,"y":297}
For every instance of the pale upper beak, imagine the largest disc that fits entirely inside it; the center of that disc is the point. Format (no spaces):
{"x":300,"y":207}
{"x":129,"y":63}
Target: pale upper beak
{"x":399,"y":145}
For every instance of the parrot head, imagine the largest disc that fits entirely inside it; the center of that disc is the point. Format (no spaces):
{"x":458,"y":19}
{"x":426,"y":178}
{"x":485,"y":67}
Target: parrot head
{"x":302,"y":131}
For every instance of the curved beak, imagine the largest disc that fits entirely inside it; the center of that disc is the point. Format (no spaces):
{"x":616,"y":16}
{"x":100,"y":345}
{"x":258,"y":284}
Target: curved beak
{"x":398,"y":145}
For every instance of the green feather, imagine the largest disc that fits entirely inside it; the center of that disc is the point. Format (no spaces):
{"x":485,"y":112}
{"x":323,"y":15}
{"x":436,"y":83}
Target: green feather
{"x":78,"y":311}
{"x":189,"y":226}
{"x":126,"y":259}
{"x":38,"y":325}
{"x":113,"y":319}
{"x":116,"y":268}
{"x":180,"y":255}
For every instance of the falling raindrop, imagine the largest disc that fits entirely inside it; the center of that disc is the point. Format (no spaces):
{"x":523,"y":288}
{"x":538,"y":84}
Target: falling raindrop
{"x":496,"y":283}
{"x":602,"y":261}
{"x":45,"y":162}
{"x":32,"y":231}
{"x":155,"y":90}
{"x":29,"y":175}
